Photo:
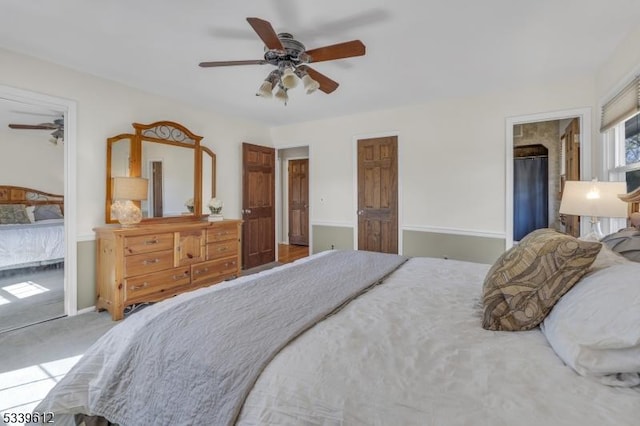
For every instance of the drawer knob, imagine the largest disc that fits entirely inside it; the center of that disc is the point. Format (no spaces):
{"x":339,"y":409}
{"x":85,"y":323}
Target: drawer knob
{"x":201,"y":271}
{"x":223,"y":248}
{"x":150,"y":261}
{"x":150,"y":242}
{"x":138,"y":287}
{"x":181,"y":276}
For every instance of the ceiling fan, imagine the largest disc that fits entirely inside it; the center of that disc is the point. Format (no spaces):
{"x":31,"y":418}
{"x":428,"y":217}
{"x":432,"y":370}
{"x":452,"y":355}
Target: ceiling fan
{"x":291,"y":59}
{"x":57,"y":126}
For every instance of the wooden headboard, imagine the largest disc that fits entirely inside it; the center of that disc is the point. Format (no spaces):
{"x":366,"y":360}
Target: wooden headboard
{"x":28,"y":196}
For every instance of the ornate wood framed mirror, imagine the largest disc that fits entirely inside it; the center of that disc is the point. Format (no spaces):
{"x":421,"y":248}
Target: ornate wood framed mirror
{"x":181,"y":172}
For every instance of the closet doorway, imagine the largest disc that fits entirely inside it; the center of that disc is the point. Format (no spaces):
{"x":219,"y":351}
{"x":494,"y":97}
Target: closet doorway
{"x":26,"y":290}
{"x":557,"y":144}
{"x":530,"y":189}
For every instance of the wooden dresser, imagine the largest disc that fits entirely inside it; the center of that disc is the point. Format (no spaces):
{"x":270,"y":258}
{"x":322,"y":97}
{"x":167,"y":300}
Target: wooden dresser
{"x":151,"y":262}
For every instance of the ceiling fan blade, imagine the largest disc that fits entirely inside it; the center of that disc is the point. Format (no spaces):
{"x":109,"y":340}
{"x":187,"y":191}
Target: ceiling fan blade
{"x":266,"y":32}
{"x":326,"y":84}
{"x":34,"y":126}
{"x":337,"y":51}
{"x":231,"y":63}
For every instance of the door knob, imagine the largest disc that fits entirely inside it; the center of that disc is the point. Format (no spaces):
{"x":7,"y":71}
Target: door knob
{"x":360,"y":212}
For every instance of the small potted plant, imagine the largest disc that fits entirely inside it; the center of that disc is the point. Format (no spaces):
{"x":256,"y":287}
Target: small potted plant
{"x":215,"y":206}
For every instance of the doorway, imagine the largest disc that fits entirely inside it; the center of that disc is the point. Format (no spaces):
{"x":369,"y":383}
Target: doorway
{"x":294,"y":231}
{"x":17,"y":99}
{"x":530,"y":189}
{"x":551,"y":126}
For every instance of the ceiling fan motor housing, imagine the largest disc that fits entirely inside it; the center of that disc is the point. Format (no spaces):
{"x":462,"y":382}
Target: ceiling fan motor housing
{"x":293,"y":51}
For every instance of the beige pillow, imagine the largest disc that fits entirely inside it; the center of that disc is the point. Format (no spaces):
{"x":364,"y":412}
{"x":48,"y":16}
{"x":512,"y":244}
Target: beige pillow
{"x":527,"y":280}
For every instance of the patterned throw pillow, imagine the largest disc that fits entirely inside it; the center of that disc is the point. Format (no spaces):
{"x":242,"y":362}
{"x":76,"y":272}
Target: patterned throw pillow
{"x":527,"y":280}
{"x":13,"y":214}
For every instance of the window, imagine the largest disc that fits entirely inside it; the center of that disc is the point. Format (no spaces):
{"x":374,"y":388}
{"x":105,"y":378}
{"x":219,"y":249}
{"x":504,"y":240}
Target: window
{"x":621,"y":155}
{"x":623,"y":158}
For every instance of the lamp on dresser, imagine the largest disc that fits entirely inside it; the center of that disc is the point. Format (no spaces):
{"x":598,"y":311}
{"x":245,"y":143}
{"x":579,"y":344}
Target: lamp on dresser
{"x":595,"y":199}
{"x":125,"y":191}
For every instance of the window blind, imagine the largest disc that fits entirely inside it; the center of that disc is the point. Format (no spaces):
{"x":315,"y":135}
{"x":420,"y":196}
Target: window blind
{"x":623,"y":105}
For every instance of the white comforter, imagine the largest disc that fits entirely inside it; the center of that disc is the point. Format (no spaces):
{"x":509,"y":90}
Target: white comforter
{"x":31,"y":244}
{"x":412,"y":352}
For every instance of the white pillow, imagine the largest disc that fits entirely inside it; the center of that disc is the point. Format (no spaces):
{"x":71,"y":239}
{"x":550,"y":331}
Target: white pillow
{"x":30,"y":213}
{"x":605,"y":258}
{"x":595,"y":327}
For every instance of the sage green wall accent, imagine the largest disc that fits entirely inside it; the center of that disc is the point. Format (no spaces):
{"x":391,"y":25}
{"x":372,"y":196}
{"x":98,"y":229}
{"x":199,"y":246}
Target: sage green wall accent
{"x":452,"y":246}
{"x":86,"y":274}
{"x":341,"y":237}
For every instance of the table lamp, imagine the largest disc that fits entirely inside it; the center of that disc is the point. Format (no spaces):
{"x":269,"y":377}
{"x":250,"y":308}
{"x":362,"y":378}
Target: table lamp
{"x":595,"y":199}
{"x":126,"y":190}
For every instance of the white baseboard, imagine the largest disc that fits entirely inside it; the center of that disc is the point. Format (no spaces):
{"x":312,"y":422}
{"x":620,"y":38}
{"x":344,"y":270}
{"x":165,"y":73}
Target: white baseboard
{"x":86,"y":310}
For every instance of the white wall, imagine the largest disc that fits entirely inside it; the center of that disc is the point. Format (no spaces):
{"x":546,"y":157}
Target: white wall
{"x":451,"y":152}
{"x":28,"y":159}
{"x":107,"y":108}
{"x":620,"y":68}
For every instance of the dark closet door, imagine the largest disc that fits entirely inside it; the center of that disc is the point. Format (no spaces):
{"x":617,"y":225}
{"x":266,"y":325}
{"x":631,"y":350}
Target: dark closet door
{"x":531,"y":195}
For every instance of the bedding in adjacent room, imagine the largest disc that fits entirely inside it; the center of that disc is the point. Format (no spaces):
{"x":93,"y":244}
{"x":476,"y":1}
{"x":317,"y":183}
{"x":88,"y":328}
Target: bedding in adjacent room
{"x":32,"y":244}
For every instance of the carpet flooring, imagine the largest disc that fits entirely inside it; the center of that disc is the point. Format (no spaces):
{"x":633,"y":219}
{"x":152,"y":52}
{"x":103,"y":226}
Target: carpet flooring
{"x":34,"y":358}
{"x":30,"y":297}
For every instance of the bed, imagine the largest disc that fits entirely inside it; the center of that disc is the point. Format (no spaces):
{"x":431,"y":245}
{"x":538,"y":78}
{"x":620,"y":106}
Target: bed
{"x":359,"y":338}
{"x":31,"y":228}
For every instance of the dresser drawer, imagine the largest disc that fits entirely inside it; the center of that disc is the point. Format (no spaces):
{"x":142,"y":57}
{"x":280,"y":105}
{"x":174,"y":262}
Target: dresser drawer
{"x":148,"y":243}
{"x":223,"y":232}
{"x":214,"y":271}
{"x":145,"y":263}
{"x":157,"y":285}
{"x":222,"y":249}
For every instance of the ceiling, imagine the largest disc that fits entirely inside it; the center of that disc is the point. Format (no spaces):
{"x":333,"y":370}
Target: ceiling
{"x":417,"y":51}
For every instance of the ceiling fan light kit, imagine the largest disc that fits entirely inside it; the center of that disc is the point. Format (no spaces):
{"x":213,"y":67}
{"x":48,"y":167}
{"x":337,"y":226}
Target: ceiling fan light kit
{"x":281,"y":94}
{"x":291,"y":59}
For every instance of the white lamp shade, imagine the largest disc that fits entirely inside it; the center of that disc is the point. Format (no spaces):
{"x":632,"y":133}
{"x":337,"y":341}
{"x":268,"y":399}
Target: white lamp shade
{"x":129,"y":188}
{"x":289,"y":79}
{"x":591,"y":198}
{"x":310,"y":85}
{"x":265,"y":89}
{"x":281,"y":95}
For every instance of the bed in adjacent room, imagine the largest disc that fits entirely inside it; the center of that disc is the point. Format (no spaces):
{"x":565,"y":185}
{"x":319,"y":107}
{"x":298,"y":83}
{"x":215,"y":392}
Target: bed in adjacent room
{"x":31,"y":228}
{"x":360,"y":338}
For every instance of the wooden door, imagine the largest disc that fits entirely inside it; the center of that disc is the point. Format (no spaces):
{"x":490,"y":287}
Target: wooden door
{"x":258,"y":205}
{"x":156,"y":184}
{"x":299,"y":202}
{"x":378,"y":194}
{"x":571,"y":137}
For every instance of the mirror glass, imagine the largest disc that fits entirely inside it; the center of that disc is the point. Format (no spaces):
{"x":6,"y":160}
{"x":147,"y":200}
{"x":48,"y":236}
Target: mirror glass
{"x":169,"y":169}
{"x":120,"y":154}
